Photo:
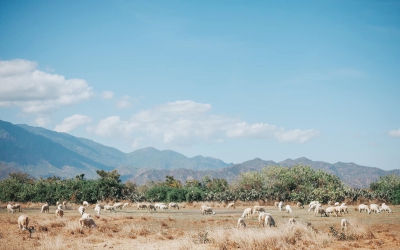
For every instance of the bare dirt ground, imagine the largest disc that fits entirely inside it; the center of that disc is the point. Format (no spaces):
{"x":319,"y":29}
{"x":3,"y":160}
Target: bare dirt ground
{"x":186,"y":228}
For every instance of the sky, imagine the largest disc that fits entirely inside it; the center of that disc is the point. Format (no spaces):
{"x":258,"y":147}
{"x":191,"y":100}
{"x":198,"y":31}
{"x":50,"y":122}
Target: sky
{"x":234,"y":80}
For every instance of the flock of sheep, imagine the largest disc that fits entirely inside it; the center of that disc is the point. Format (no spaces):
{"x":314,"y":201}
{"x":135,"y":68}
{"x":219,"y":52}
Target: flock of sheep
{"x":264,"y":218}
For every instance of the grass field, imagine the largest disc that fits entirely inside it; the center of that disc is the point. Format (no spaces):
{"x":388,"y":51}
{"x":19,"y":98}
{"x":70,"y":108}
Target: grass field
{"x":186,"y":228}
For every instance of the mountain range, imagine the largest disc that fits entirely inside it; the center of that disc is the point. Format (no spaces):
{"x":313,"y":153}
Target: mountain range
{"x":44,"y":153}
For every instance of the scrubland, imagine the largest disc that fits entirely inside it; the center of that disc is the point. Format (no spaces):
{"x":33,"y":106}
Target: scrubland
{"x":186,"y":228}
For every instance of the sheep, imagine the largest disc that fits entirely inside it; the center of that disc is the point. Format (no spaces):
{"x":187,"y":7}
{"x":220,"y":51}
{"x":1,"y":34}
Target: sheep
{"x":87,"y":222}
{"x":118,"y":205}
{"x":45,"y":208}
{"x":344,"y":209}
{"x":141,"y":206}
{"x":231,"y":205}
{"x":157,"y":205}
{"x":313,"y":206}
{"x":362,"y":207}
{"x":164,"y":207}
{"x":319,"y":210}
{"x":17,"y":206}
{"x":125,"y":205}
{"x":85,"y":203}
{"x":300,"y":205}
{"x":109,"y":208}
{"x":292,"y":221}
{"x":313,"y":203}
{"x":288,"y":209}
{"x":258,"y":209}
{"x":374,"y":208}
{"x":151,"y":207}
{"x":241,"y":222}
{"x":261,"y":218}
{"x":9,"y":208}
{"x":344,"y":223}
{"x":97,"y":208}
{"x":280,"y":205}
{"x":23,"y":222}
{"x":340,"y":209}
{"x":59,"y":212}
{"x":247,"y":212}
{"x":336,"y":204}
{"x":173,"y":204}
{"x":386,"y":208}
{"x":269,"y":221}
{"x":330,"y":211}
{"x":207,"y":210}
{"x":81,"y":209}
{"x":86,"y":216}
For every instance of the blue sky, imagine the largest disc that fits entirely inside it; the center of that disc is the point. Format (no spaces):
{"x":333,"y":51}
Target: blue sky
{"x":234,"y":80}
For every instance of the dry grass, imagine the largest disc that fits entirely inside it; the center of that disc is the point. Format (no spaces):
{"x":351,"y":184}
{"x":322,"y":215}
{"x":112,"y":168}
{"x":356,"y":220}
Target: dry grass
{"x":188,"y":229}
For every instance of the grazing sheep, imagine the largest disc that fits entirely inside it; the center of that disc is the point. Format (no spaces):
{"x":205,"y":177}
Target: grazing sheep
{"x":97,"y":208}
{"x":85,"y":203}
{"x":109,"y":208}
{"x":258,"y":209}
{"x":344,"y":223}
{"x":81,"y":209}
{"x":231,"y":205}
{"x":336,"y":204}
{"x":59,"y":212}
{"x":313,"y":203}
{"x":374,"y":208}
{"x":386,"y":208}
{"x":280,"y":205}
{"x":207,"y":210}
{"x":23,"y":222}
{"x":173,"y":204}
{"x":343,"y":209}
{"x":292,"y":221}
{"x":164,"y":207}
{"x":17,"y":206}
{"x":151,"y":207}
{"x":125,"y":205}
{"x":45,"y":208}
{"x":88,"y":222}
{"x":118,"y":205}
{"x":247,"y":212}
{"x":330,"y":211}
{"x":141,"y":206}
{"x":288,"y":209}
{"x":241,"y":222}
{"x":9,"y":208}
{"x":313,"y":206}
{"x":320,"y":210}
{"x":261,"y":218}
{"x":363,"y":207}
{"x":269,"y":221}
{"x":340,"y":210}
{"x":300,"y":205}
{"x":86,"y":216}
{"x":157,"y":205}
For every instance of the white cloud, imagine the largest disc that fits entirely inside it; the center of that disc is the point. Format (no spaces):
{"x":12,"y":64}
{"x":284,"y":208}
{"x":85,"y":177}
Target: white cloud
{"x":42,"y":121}
{"x":72,"y":122}
{"x":35,"y":91}
{"x":107,"y":95}
{"x":124,"y":102}
{"x":183,"y":123}
{"x":395,"y":133}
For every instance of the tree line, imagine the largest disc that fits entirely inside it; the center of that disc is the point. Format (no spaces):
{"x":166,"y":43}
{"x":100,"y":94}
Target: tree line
{"x":273,"y":183}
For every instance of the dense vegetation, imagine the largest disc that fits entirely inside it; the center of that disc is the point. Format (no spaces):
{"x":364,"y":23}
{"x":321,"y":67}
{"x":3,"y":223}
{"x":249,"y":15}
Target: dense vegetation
{"x":298,"y":183}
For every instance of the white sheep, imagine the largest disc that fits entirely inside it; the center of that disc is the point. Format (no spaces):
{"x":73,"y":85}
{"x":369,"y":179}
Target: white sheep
{"x":374,"y":208}
{"x":320,"y":210}
{"x":125,"y":205}
{"x":288,"y":209}
{"x":81,"y":209}
{"x":261,"y":218}
{"x":59,"y":213}
{"x":313,"y":206}
{"x":88,"y":222}
{"x":269,"y":221}
{"x":173,"y":204}
{"x":85,"y":203}
{"x":45,"y":208}
{"x":109,"y":208}
{"x":363,"y":207}
{"x":258,"y":209}
{"x":241,"y":222}
{"x":231,"y":205}
{"x":23,"y":222}
{"x":344,"y":223}
{"x":207,"y":210}
{"x":247,"y":212}
{"x":86,"y":216}
{"x":97,"y":208}
{"x":280,"y":205}
{"x":157,"y":205}
{"x":9,"y":208}
{"x":330,"y":211}
{"x":164,"y":207}
{"x":313,"y":203}
{"x":386,"y":208}
{"x":118,"y":205}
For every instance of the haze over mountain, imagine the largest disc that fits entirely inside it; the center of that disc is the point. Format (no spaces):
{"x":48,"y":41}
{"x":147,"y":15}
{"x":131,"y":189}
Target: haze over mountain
{"x":44,"y":153}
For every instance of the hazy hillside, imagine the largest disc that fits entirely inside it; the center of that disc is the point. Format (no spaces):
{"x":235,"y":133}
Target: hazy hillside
{"x":42,"y":153}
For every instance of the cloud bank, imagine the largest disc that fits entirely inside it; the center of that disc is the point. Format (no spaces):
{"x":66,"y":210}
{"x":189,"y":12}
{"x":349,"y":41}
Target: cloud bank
{"x":184,"y":123}
{"x":72,"y":122}
{"x":395,"y":133}
{"x":35,"y":91}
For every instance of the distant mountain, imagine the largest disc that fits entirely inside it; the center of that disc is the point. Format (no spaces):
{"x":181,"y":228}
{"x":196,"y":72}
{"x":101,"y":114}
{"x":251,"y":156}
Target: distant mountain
{"x":43,"y":153}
